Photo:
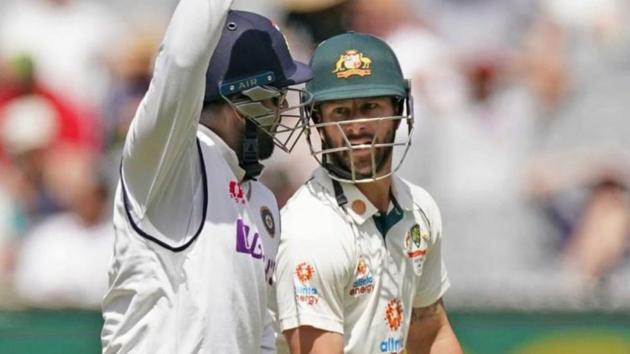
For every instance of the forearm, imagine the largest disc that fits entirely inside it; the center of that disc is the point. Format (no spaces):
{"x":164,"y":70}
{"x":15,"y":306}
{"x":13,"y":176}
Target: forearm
{"x":430,"y":332}
{"x":445,"y":342}
{"x":310,"y":340}
{"x":162,"y":134}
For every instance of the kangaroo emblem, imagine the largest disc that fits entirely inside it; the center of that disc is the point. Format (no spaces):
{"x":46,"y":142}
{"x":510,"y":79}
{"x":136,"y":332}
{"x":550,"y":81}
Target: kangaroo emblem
{"x":352,"y":62}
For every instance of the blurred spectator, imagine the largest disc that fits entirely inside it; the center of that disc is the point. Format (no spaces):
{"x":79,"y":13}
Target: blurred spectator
{"x":585,"y":195}
{"x":470,"y":26}
{"x":132,"y":70}
{"x":69,"y":41}
{"x":75,"y":125}
{"x":9,"y":226}
{"x":314,"y":21}
{"x":540,"y":63}
{"x":594,"y":43}
{"x":63,"y":261}
{"x":28,"y":127}
{"x":34,"y":121}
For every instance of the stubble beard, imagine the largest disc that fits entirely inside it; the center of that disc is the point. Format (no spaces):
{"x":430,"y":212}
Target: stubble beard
{"x":265,"y":144}
{"x":363,"y":166}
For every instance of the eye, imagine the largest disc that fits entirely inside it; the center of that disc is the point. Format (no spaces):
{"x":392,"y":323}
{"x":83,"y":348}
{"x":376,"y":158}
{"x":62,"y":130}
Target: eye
{"x":371,"y":109}
{"x":369,"y":106}
{"x":340,"y":111}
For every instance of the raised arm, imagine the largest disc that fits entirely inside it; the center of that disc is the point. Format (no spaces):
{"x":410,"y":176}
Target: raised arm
{"x":160,"y":164}
{"x":160,"y":144}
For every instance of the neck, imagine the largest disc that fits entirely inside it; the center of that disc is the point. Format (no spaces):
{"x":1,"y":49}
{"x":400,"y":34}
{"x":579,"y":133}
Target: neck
{"x":377,"y":192}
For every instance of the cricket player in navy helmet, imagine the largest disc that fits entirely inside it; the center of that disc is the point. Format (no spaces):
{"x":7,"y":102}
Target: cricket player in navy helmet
{"x":359,"y":267}
{"x":196,"y":234}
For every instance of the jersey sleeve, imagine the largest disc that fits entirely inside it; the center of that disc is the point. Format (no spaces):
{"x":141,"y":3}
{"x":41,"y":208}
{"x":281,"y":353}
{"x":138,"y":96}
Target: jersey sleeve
{"x":434,"y":281}
{"x":313,"y":270}
{"x":160,"y":162}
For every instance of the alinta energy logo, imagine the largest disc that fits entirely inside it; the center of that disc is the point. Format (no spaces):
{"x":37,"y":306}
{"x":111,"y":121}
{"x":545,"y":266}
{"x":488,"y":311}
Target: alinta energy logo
{"x":304,"y":292}
{"x":393,"y":318}
{"x":364,"y":283}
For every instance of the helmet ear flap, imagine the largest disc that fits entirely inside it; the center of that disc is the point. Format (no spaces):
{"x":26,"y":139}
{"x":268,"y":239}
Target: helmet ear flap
{"x":399,"y":105}
{"x":315,"y":114}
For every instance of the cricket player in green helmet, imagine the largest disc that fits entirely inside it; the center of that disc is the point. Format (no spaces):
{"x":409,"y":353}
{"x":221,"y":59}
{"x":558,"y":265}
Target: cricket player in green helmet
{"x":359,"y":266}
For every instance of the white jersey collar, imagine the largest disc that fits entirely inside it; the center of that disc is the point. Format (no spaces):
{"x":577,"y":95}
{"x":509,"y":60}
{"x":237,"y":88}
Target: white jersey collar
{"x":226,"y":152}
{"x":359,"y":206}
{"x":402,"y":193}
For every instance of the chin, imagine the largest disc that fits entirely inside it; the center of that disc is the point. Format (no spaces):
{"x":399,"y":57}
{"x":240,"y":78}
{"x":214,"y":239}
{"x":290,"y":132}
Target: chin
{"x":265,"y":148}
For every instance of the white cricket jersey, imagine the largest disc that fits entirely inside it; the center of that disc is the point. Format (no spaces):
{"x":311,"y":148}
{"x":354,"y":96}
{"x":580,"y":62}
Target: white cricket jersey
{"x":336,"y":272}
{"x":194,"y":249}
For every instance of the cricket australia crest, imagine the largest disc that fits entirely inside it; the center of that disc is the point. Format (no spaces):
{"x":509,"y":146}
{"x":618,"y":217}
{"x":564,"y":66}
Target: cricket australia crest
{"x":352,"y":62}
{"x":416,"y":245}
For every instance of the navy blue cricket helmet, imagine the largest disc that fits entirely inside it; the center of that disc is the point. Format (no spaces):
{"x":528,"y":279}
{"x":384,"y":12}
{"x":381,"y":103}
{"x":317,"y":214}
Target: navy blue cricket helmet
{"x":251,"y":51}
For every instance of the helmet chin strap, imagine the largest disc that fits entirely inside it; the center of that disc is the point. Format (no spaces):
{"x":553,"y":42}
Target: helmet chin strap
{"x":337,"y":170}
{"x":249,"y":153}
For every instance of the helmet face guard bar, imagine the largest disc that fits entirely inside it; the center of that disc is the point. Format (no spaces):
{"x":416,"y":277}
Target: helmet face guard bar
{"x":270,"y":110}
{"x":327,"y":155}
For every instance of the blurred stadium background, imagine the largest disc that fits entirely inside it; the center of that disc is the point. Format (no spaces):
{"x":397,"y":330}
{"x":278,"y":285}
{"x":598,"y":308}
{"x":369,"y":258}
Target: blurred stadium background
{"x":522,"y":136}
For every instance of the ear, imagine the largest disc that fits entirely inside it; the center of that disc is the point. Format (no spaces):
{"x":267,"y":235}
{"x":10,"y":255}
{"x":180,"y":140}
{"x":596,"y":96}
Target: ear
{"x":232,"y":113}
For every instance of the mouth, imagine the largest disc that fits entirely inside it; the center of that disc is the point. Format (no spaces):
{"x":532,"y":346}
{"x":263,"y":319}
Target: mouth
{"x":361,"y":154}
{"x":362,"y":142}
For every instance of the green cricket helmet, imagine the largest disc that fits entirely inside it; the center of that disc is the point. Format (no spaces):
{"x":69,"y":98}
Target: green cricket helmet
{"x":351,"y":66}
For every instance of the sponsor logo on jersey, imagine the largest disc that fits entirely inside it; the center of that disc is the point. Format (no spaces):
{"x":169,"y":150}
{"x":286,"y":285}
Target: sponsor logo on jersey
{"x":416,"y":244}
{"x":394,"y":318}
{"x":364,"y":282}
{"x":304,"y":292}
{"x":268,"y":221}
{"x":352,"y":62}
{"x":394,"y":314}
{"x":236,"y":192}
{"x":392,"y":345}
{"x":246,"y":242}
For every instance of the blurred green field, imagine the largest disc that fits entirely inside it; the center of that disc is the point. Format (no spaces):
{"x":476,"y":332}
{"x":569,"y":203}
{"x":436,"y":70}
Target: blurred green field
{"x":70,"y":332}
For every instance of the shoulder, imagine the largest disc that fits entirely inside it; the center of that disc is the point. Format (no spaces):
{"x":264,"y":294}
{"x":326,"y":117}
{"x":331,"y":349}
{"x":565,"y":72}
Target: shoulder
{"x":314,"y":231}
{"x":263,"y":193}
{"x":310,"y":200}
{"x":206,"y":141}
{"x":423,"y":203}
{"x":312,"y":211}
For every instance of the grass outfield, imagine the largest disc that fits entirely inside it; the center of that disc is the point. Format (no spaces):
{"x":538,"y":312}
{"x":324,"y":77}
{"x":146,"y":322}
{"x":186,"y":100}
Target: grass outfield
{"x":481,"y":332}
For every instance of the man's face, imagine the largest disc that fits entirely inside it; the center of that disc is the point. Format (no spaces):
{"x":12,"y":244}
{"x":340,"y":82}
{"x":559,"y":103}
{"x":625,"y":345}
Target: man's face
{"x":266,"y":144}
{"x":348,"y":133}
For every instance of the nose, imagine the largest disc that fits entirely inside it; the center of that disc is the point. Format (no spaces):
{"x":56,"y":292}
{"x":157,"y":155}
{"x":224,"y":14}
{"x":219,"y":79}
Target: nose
{"x":355,"y":127}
